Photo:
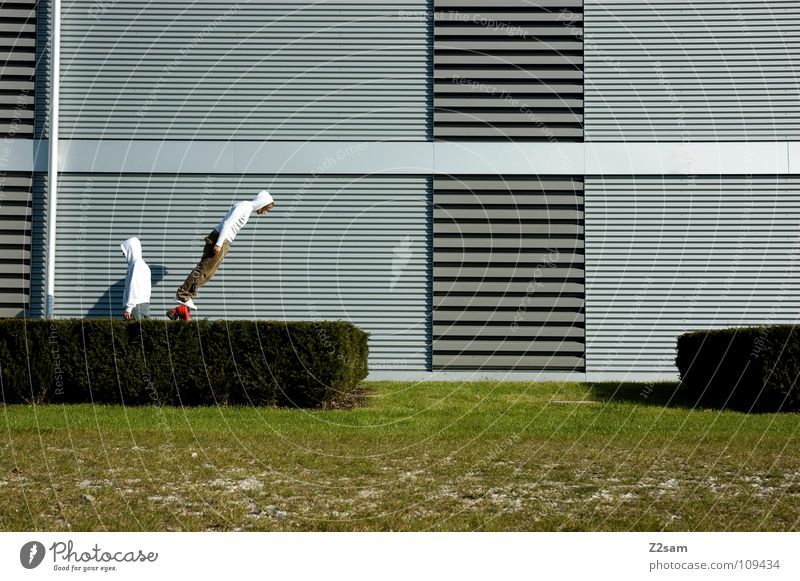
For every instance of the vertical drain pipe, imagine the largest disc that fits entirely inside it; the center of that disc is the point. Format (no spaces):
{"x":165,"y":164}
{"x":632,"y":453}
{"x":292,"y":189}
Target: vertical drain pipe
{"x":52,"y":162}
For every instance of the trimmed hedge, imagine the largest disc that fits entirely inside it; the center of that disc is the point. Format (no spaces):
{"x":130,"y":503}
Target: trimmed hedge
{"x":298,"y":363}
{"x":748,"y":369}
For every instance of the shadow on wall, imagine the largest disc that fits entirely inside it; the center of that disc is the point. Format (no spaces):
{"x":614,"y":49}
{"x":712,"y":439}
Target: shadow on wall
{"x":109,"y":305}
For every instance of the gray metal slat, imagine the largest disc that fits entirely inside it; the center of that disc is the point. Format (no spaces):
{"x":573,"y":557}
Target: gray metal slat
{"x":478,"y":57}
{"x":507,"y":362}
{"x":512,"y":116}
{"x":484,"y":199}
{"x":516,"y":229}
{"x":489,"y":213}
{"x":515,"y":343}
{"x":514,"y":74}
{"x":440,"y":286}
{"x":501,"y":132}
{"x":453,"y":244}
{"x":465,"y":101}
{"x":521,"y":257}
{"x":569,"y":333}
{"x":521,"y":31}
{"x":505,"y":183}
{"x":524,"y":302}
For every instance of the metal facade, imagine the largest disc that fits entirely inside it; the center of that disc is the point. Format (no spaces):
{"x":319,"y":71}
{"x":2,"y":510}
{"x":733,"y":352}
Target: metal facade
{"x":716,"y":70}
{"x":17,"y":94}
{"x":251,"y":70}
{"x":42,"y":74}
{"x":508,"y":69}
{"x":15,"y":242}
{"x":18,"y":50}
{"x":665,"y":255}
{"x":341,"y":247}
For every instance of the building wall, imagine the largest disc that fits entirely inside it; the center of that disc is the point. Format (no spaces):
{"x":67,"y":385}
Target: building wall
{"x":508,"y":273}
{"x":248,"y":70}
{"x":17,"y":96}
{"x":666,"y":255}
{"x":337,"y":247}
{"x":463,"y":117}
{"x":712,"y":70}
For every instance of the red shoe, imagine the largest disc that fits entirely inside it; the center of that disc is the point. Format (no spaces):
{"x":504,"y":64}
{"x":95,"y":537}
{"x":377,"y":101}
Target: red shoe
{"x":179,"y":313}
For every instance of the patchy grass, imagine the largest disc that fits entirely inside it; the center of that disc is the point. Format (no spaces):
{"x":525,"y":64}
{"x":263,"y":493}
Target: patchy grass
{"x":429,"y":456}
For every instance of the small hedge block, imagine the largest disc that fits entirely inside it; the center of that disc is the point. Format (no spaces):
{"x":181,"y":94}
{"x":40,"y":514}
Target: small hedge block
{"x":748,"y":369}
{"x":296,"y":363}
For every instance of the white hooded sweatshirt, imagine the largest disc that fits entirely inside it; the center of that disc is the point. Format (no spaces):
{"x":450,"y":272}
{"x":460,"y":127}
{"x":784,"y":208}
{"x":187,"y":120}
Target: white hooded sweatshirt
{"x":137,"y":281}
{"x":238,"y":216}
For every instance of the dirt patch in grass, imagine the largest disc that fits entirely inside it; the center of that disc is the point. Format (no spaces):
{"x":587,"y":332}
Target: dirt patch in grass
{"x":351,"y":400}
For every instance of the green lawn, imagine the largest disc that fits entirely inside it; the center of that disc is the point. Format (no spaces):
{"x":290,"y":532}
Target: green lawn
{"x":429,"y":456}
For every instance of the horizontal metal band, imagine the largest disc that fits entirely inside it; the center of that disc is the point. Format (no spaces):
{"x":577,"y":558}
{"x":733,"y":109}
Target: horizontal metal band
{"x":422,"y":157}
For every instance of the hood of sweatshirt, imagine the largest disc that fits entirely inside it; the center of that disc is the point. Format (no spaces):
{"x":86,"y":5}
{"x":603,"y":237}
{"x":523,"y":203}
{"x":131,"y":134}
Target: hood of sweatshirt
{"x":132,"y":249}
{"x":262,"y":199}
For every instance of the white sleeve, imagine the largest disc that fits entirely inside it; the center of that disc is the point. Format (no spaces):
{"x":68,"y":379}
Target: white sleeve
{"x":227,"y":232}
{"x":128,"y":296}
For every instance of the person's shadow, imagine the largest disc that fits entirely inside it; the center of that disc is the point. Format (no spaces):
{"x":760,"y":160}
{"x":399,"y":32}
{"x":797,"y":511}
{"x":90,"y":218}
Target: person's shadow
{"x":110,"y":304}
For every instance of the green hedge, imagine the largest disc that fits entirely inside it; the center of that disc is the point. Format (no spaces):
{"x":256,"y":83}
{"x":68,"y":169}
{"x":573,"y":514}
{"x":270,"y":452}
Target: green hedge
{"x":749,"y":369}
{"x":298,"y":363}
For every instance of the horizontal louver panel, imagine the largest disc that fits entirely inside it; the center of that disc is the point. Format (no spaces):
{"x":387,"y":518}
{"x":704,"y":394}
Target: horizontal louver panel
{"x":715,"y":71}
{"x":255,"y":70}
{"x":666,"y":255}
{"x":508,"y":70}
{"x":18,"y":56}
{"x":350,"y":247}
{"x":15,"y":242}
{"x":508,"y":290}
{"x":43,"y":72}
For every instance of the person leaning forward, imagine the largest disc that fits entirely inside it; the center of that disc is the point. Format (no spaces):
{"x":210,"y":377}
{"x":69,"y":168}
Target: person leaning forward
{"x":217,"y":244}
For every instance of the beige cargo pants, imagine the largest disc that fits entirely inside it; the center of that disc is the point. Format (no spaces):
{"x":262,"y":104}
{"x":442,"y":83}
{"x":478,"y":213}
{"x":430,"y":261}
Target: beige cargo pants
{"x":205,"y":269}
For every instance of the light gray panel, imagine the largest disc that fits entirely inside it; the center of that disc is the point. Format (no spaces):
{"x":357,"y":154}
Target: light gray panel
{"x":347,"y":247}
{"x":687,"y":158}
{"x":256,"y":70}
{"x":247,"y":157}
{"x":719,"y":70}
{"x":666,"y":255}
{"x":508,"y":272}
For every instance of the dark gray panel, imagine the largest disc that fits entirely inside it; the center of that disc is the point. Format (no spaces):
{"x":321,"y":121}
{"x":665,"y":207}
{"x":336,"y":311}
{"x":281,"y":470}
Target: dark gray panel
{"x":43,"y":73}
{"x":508,"y":273}
{"x":491,"y":58}
{"x":15,"y":243}
{"x":18,"y":57}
